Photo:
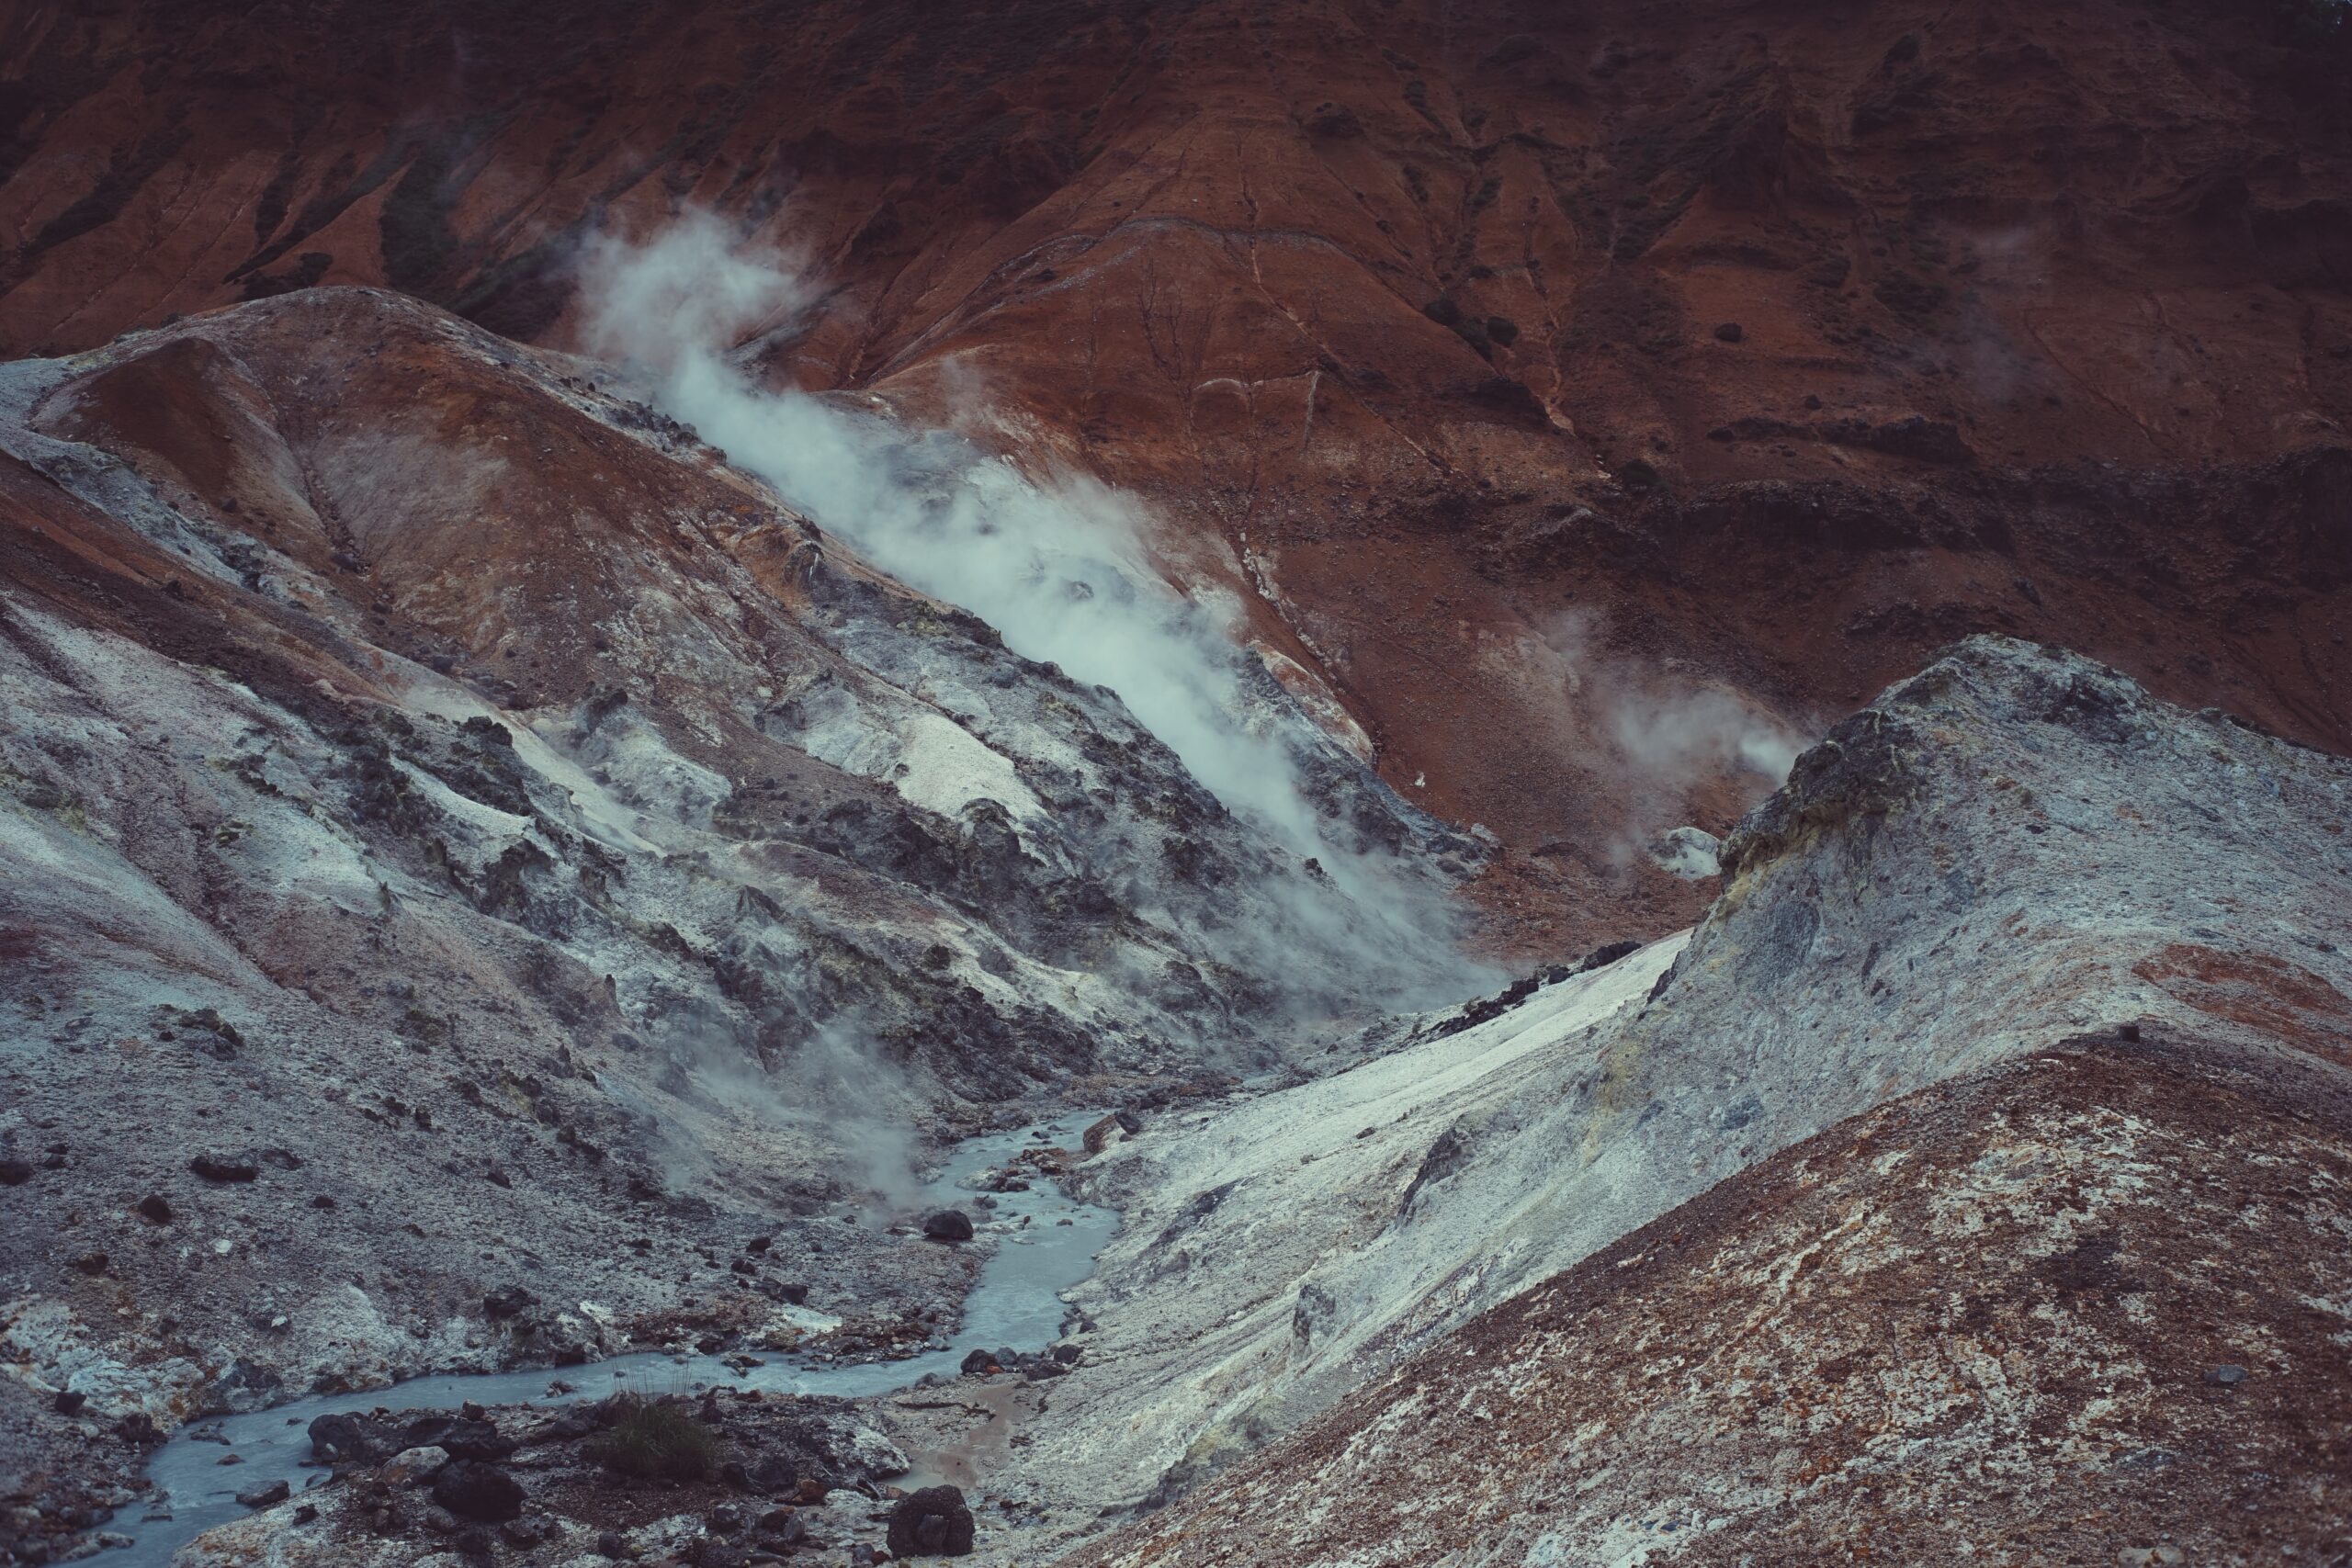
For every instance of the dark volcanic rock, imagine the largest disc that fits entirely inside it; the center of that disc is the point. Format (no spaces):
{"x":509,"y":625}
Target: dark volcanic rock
{"x":948,"y":1224}
{"x":342,"y":1438}
{"x":933,"y":1522}
{"x":512,"y":1302}
{"x":267,"y":1497}
{"x":224,"y":1167}
{"x":464,"y":1437}
{"x":472,"y":1490}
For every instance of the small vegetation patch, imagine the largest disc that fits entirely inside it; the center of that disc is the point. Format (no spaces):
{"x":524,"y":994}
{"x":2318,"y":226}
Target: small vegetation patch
{"x":655,"y":1439}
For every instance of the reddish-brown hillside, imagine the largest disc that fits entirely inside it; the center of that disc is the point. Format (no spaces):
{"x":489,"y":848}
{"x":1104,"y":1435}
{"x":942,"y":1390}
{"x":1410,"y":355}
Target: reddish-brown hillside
{"x":1526,"y":366}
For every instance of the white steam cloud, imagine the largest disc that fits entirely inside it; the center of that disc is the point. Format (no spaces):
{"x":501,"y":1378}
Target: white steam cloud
{"x":1056,"y":564}
{"x":1670,"y":738}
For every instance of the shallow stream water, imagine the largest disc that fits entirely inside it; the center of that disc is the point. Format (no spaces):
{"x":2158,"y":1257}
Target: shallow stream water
{"x":1016,"y":1305}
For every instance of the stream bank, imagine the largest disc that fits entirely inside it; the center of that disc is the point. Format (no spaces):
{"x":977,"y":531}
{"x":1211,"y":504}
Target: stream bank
{"x":796,"y":1414}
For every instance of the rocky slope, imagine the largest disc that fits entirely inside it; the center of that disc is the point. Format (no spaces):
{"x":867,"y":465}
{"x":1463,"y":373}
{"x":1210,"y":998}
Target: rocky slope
{"x":2087,"y":1306}
{"x":2053,"y":976}
{"x":469,"y":861}
{"x":1520,"y":369}
{"x":485,"y":881}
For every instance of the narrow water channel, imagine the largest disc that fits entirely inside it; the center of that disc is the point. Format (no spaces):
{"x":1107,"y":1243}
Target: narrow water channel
{"x":1015,"y":1304}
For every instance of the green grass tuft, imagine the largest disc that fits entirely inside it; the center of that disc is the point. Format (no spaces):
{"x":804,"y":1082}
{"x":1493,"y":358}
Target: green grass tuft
{"x":655,"y":1439}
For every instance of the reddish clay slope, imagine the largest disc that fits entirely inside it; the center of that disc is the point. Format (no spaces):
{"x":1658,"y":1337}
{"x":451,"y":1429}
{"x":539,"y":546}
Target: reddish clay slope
{"x":1768,"y":344}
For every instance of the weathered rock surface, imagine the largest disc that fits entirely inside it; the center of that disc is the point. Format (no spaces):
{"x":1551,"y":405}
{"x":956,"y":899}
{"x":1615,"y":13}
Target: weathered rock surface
{"x":454,"y":829}
{"x":1973,"y":1323}
{"x":2013,"y":855}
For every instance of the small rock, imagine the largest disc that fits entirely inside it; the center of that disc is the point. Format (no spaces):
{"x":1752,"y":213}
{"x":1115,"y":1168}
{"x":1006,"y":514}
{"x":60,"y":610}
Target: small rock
{"x":933,"y":1521}
{"x":2227,"y":1375}
{"x":477,"y":1490}
{"x":1693,"y":855}
{"x":69,"y":1402}
{"x":154,"y":1209}
{"x":610,"y":1544}
{"x":980,"y":1362}
{"x":725,"y":1520}
{"x":413,"y":1467}
{"x":307,"y":1514}
{"x":15,"y":1172}
{"x":512,"y":1302}
{"x":948,"y":1224}
{"x":267,"y":1497}
{"x":521,"y":1532}
{"x":773,"y":1476}
{"x":1730,"y":331}
{"x":224,"y":1167}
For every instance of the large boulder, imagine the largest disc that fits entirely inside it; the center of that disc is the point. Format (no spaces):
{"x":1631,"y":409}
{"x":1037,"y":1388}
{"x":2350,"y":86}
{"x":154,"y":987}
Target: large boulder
{"x":933,"y":1522}
{"x":948,"y":1224}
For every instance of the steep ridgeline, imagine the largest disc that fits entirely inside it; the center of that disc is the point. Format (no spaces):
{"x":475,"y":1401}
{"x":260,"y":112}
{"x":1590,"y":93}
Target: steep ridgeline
{"x":1974,"y":1177}
{"x":457,"y":834}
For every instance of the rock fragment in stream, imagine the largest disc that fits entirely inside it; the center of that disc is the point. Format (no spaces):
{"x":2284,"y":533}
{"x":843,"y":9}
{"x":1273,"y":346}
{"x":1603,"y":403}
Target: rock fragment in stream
{"x":267,"y":1497}
{"x":932,"y":1522}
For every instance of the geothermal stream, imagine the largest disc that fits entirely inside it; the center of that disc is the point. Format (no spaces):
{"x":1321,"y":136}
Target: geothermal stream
{"x":1016,"y":1305}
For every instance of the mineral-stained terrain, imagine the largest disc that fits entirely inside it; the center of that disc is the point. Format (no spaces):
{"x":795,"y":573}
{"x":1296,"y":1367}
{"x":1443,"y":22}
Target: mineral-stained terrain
{"x":489,"y":880}
{"x":483,"y":844}
{"x":1521,"y":367}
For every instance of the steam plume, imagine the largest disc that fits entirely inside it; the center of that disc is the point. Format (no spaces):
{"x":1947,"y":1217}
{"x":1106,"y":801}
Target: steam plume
{"x":1056,"y":563}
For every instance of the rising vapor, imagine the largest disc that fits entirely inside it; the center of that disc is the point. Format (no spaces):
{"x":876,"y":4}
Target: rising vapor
{"x":1056,"y":564}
